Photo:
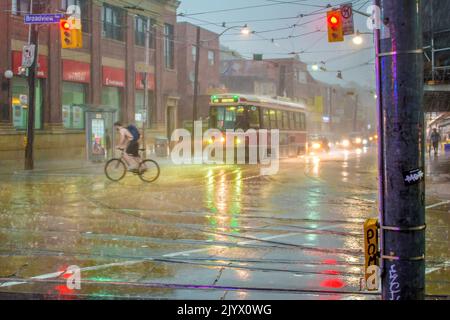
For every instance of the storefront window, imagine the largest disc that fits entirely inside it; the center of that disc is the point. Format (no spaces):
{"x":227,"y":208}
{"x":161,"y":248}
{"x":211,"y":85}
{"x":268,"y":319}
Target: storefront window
{"x":139,"y":109}
{"x":19,"y":109}
{"x":74,"y":95}
{"x":111,"y":97}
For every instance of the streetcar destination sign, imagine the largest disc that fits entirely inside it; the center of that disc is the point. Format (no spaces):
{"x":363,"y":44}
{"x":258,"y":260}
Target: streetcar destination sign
{"x":43,"y":18}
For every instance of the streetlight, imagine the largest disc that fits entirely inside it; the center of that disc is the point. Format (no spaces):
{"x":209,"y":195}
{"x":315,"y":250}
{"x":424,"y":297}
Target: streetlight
{"x":8,"y":74}
{"x":245,"y":31}
{"x":358,"y":39}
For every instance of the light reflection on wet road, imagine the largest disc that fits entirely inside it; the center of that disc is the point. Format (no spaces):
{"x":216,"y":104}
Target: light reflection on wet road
{"x":201,"y":232}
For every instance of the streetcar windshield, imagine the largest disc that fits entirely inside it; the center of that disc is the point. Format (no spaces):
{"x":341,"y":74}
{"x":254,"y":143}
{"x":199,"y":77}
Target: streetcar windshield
{"x":228,"y":118}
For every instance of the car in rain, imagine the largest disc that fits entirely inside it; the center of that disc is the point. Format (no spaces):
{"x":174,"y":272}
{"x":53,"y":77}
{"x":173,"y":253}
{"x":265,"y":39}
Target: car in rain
{"x":318,"y":144}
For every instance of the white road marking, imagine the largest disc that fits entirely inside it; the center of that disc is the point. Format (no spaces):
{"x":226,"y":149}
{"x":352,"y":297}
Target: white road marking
{"x":438,"y":204}
{"x":438,"y":267}
{"x":169,"y":255}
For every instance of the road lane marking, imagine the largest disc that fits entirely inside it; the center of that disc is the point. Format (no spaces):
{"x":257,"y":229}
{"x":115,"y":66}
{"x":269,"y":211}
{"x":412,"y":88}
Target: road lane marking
{"x":438,"y":267}
{"x":169,"y":255}
{"x":438,"y":204}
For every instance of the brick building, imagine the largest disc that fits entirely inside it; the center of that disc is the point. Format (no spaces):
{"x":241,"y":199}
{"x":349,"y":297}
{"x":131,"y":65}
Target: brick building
{"x":108,"y":71}
{"x":209,"y":70}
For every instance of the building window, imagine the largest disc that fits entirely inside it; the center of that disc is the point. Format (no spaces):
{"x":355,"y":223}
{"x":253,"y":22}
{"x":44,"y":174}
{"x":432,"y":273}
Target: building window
{"x":84,"y":7}
{"x":22,"y":7}
{"x":112,"y":97}
{"x":194,"y":53}
{"x":211,"y":57}
{"x":73,"y":97}
{"x":20,"y":110}
{"x":140,"y":31}
{"x":113,"y":22}
{"x":169,"y":54}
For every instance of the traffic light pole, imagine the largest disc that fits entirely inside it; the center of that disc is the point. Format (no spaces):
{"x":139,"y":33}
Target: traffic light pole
{"x":29,"y":157}
{"x":355,"y":113}
{"x":402,"y":150}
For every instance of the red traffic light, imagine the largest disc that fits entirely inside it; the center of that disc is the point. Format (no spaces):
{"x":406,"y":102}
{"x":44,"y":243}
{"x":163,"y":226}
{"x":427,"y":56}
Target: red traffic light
{"x":65,"y":25}
{"x":333,"y":20}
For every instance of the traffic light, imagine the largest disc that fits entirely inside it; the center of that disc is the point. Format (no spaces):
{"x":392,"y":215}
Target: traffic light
{"x":71,"y":38}
{"x":335,"y":26}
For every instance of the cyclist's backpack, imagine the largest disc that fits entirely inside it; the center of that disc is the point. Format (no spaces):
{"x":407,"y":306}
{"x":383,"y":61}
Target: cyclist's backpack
{"x":134,"y":132}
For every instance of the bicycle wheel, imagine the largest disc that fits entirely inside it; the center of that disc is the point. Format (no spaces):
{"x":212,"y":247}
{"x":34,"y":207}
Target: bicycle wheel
{"x":149,"y":171}
{"x":115,"y":170}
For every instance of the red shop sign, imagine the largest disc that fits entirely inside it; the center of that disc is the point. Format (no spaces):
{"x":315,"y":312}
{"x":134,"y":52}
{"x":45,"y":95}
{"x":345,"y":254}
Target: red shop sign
{"x":76,"y":71}
{"x":140,"y":81}
{"x":42,"y":71}
{"x":113,"y":77}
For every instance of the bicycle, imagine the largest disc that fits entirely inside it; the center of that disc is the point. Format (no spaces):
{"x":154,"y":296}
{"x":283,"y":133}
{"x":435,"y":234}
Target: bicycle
{"x":116,"y":169}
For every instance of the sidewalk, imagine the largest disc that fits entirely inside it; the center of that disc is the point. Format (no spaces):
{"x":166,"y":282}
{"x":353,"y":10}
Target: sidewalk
{"x":11,"y":167}
{"x":438,"y":175}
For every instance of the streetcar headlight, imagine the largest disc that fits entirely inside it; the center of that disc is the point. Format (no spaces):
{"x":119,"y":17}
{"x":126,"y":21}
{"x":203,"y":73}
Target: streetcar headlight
{"x":316,"y":146}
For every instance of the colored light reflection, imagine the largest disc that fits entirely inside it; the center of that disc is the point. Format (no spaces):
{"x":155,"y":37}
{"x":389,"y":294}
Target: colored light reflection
{"x":223,"y":199}
{"x":332,"y":283}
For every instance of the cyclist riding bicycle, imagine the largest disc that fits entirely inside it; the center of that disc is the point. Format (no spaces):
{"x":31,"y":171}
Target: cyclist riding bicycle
{"x":129,"y":141}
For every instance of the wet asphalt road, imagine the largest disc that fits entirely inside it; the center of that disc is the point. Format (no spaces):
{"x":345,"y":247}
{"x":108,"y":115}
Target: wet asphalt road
{"x":203,"y":232}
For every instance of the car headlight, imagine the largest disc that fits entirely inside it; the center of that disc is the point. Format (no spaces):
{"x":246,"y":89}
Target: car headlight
{"x":365,"y":142}
{"x":358,"y":140}
{"x":316,"y":146}
{"x":345,"y":143}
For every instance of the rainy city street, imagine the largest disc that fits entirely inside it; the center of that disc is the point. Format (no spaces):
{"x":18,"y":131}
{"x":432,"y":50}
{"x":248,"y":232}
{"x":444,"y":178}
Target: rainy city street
{"x":205,"y":232}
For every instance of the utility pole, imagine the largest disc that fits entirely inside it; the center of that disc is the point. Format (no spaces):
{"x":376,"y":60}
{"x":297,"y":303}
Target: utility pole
{"x":355,"y":113}
{"x":402,"y":194}
{"x":196,"y":85}
{"x":29,"y":158}
{"x":147,"y":65}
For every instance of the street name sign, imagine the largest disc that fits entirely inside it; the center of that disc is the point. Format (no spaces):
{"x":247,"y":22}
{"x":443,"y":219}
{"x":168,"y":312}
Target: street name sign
{"x":43,"y":18}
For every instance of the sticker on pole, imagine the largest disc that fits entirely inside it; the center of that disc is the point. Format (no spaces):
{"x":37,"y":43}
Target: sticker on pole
{"x":348,"y":24}
{"x":371,"y":255}
{"x":413,"y":177}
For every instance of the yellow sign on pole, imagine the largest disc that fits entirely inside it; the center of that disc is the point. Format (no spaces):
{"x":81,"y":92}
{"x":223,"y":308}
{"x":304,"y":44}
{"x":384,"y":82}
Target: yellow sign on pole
{"x":371,"y":250}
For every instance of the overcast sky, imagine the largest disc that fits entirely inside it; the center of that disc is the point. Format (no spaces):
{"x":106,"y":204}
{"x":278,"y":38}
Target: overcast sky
{"x":337,"y":56}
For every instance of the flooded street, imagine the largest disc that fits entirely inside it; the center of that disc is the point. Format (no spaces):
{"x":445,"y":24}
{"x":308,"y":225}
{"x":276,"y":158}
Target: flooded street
{"x":204,"y":232}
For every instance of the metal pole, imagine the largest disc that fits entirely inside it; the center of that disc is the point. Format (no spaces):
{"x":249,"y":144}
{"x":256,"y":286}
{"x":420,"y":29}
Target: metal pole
{"x":433,"y":51}
{"x":196,"y":84}
{"x":400,"y":63}
{"x":380,"y":133}
{"x":355,"y":114}
{"x":331,"y":109}
{"x":147,"y":66}
{"x":29,"y":159}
